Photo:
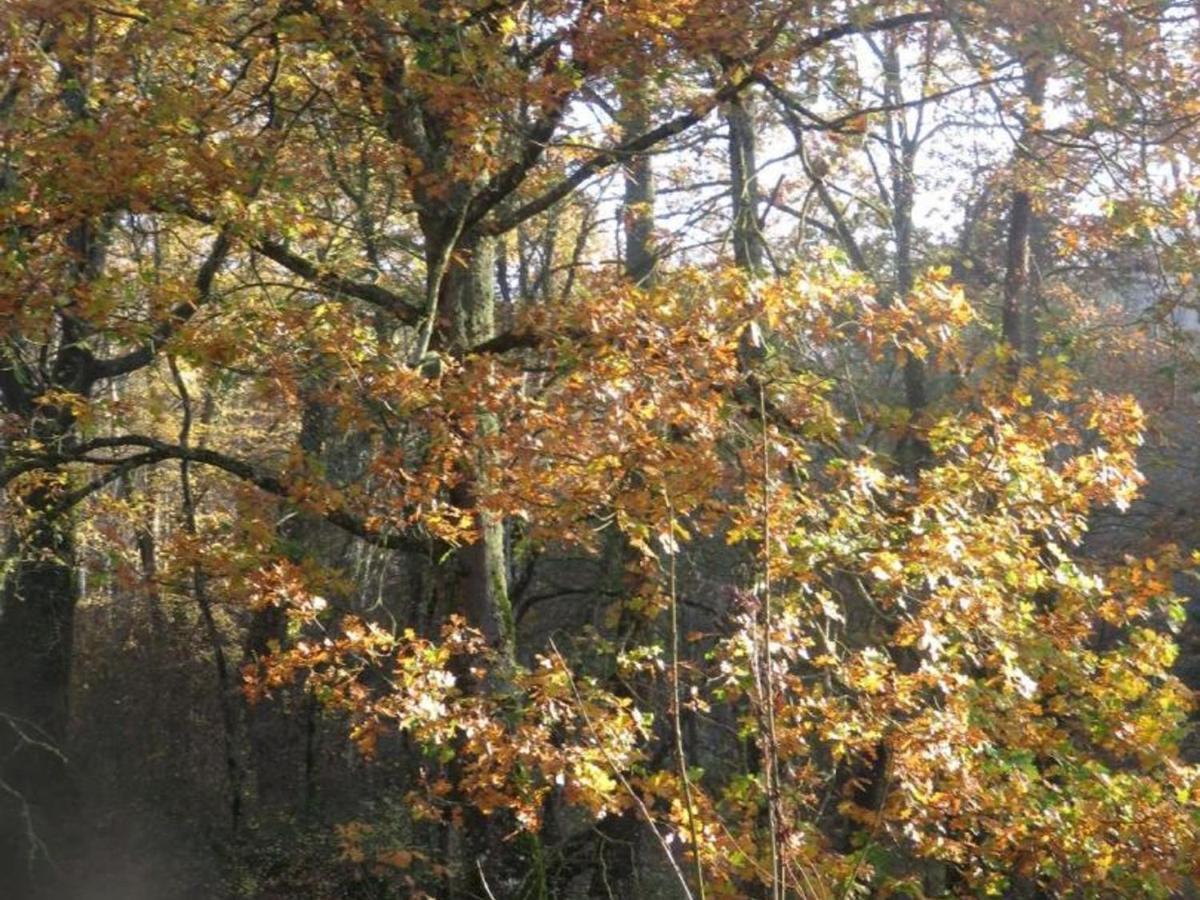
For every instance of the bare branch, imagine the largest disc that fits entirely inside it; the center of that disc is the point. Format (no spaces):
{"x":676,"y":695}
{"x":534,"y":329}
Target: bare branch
{"x":159,"y":451}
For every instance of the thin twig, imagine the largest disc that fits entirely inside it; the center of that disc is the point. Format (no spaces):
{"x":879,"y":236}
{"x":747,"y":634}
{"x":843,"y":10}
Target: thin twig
{"x":204,"y":602}
{"x":620,"y":776}
{"x":676,"y":721}
{"x":771,"y":770}
{"x":483,"y":880}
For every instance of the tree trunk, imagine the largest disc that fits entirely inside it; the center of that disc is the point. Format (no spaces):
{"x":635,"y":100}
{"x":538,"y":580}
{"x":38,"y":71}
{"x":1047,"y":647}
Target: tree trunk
{"x":743,"y":171}
{"x":467,"y":307}
{"x":615,"y":867}
{"x":36,"y":622}
{"x":641,"y":260}
{"x":465,"y":317}
{"x":38,"y":597}
{"x":1020,"y":217}
{"x":273,"y":726}
{"x":903,"y":144}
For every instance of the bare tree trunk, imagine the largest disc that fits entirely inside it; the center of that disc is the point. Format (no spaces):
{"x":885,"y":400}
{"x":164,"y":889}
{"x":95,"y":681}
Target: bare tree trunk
{"x":37,"y":614}
{"x":274,"y":726}
{"x":743,"y":170}
{"x":1020,"y":218}
{"x":39,"y":591}
{"x":226,"y":700}
{"x":903,"y":143}
{"x":641,"y":259}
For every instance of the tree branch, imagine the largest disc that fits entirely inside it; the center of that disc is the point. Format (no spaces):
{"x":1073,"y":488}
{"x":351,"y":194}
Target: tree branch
{"x":681,"y":123}
{"x":160,"y":451}
{"x":324,"y":281}
{"x":179,"y":316}
{"x":334,"y":285}
{"x":613,"y":155}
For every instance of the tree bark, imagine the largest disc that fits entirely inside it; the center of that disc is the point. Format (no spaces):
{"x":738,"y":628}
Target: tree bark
{"x":465,"y":317}
{"x":467,"y":310}
{"x":1020,"y":218}
{"x":37,"y":618}
{"x":743,"y":170}
{"x":641,"y":260}
{"x":903,"y":144}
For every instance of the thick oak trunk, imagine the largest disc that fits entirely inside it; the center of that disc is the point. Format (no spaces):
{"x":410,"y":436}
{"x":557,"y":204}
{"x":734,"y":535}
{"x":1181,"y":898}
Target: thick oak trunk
{"x":468,"y":310}
{"x":465,"y":318}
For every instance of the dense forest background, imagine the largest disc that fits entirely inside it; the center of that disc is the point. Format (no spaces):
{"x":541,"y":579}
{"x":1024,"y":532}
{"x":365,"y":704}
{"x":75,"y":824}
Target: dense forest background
{"x":581,"y":448}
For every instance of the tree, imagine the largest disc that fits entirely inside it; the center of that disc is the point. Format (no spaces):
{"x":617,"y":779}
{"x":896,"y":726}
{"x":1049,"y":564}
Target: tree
{"x":311,"y":203}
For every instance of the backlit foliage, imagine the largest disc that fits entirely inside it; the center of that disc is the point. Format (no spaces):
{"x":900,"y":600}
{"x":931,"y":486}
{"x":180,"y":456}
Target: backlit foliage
{"x":346,"y":264}
{"x":939,"y":624}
